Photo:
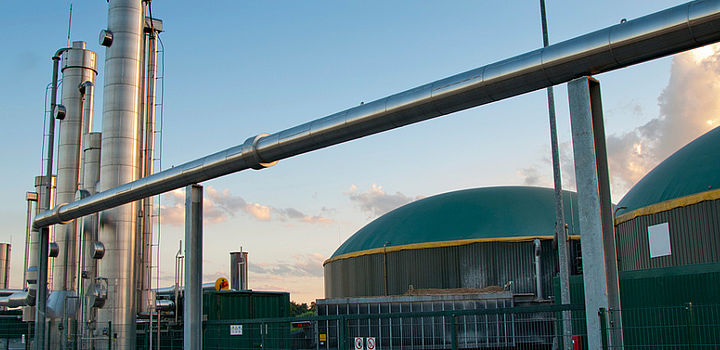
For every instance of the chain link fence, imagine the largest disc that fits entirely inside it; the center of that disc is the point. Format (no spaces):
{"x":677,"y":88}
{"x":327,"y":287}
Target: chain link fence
{"x":675,"y":327}
{"x":539,"y":327}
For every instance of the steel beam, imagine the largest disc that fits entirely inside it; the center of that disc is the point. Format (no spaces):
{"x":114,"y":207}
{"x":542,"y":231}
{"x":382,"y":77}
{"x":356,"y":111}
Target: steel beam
{"x":193,"y":277}
{"x":599,"y":259}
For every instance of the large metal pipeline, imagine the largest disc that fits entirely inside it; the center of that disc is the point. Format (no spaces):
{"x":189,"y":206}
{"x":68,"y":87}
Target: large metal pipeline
{"x":119,"y":163}
{"x":17,"y":299}
{"x":663,"y":33}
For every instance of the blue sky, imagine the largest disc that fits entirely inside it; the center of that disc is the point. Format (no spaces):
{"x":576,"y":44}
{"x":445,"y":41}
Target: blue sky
{"x":234,"y":69}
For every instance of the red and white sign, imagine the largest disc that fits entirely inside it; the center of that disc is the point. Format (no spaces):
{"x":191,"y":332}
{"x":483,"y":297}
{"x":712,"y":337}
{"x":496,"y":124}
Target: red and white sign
{"x":359,"y":343}
{"x":370,"y":342}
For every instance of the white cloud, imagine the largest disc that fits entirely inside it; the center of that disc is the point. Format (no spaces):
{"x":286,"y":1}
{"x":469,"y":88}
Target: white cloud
{"x":219,"y":205}
{"x":376,"y":202}
{"x":304,"y":265}
{"x":689,"y":107}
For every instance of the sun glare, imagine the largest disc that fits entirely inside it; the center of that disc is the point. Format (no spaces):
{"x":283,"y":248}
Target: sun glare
{"x":702,"y":53}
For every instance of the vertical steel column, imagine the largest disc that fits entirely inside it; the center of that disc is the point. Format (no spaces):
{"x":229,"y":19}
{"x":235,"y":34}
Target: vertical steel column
{"x":41,"y":308}
{"x":560,"y":232}
{"x":600,"y":277}
{"x":45,"y":196}
{"x":193,"y":278}
{"x":148,"y":298}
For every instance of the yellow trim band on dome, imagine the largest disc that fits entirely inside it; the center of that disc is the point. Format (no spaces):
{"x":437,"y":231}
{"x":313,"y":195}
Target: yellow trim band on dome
{"x":669,"y":204}
{"x":439,"y":244}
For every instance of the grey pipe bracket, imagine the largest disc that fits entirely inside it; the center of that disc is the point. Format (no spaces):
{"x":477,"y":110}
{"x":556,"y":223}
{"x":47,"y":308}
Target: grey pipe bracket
{"x":59,"y":112}
{"x":106,"y":38}
{"x":85,"y":84}
{"x":53,"y":249}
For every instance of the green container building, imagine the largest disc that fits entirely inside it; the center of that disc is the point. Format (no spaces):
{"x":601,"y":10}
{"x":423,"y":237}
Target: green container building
{"x":233,"y":320}
{"x":224,"y":312}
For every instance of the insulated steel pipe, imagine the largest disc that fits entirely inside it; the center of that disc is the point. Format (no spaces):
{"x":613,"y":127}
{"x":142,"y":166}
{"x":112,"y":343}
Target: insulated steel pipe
{"x":539,"y":294}
{"x":43,"y":234}
{"x":88,"y":229}
{"x":87,"y":90}
{"x":147,"y":299}
{"x":663,"y":33}
{"x":30,"y":197}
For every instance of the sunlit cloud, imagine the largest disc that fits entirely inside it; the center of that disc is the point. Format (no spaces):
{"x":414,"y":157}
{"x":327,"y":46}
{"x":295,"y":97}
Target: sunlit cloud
{"x":218,"y":206}
{"x":689,"y":107}
{"x":375,"y":201}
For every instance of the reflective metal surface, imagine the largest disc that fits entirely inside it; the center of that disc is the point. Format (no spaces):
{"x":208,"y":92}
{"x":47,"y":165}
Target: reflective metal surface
{"x":164,"y":305}
{"x":78,"y":66}
{"x":599,"y":260}
{"x":193,"y":301}
{"x":148,"y":155}
{"x":20,"y":298}
{"x":88,"y":226}
{"x":538,"y":270}
{"x":119,"y":165}
{"x":5,"y":249}
{"x":30,"y":197}
{"x":239,"y":270}
{"x":588,"y":54}
{"x":44,"y":233}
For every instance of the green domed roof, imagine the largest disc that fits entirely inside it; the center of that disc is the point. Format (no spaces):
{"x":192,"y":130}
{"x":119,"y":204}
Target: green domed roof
{"x":693,"y":169}
{"x":481,"y":213}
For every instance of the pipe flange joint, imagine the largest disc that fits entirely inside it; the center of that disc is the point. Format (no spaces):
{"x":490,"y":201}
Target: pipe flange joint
{"x":250,"y":145}
{"x":57,"y":215}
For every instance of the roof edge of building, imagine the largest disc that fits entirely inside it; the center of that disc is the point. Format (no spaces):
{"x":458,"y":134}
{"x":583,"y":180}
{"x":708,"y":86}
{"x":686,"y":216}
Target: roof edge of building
{"x":439,"y":244}
{"x":668,"y":205}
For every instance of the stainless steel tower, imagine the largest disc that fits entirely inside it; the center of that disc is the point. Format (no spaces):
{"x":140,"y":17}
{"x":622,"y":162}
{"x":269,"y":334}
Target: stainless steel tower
{"x":239,"y":270}
{"x":5,"y":265}
{"x":78,"y":66}
{"x":119,"y":165}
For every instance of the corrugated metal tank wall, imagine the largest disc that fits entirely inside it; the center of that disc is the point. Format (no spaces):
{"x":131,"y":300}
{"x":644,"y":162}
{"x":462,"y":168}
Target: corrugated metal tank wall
{"x":475,"y":265}
{"x":694,"y":237}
